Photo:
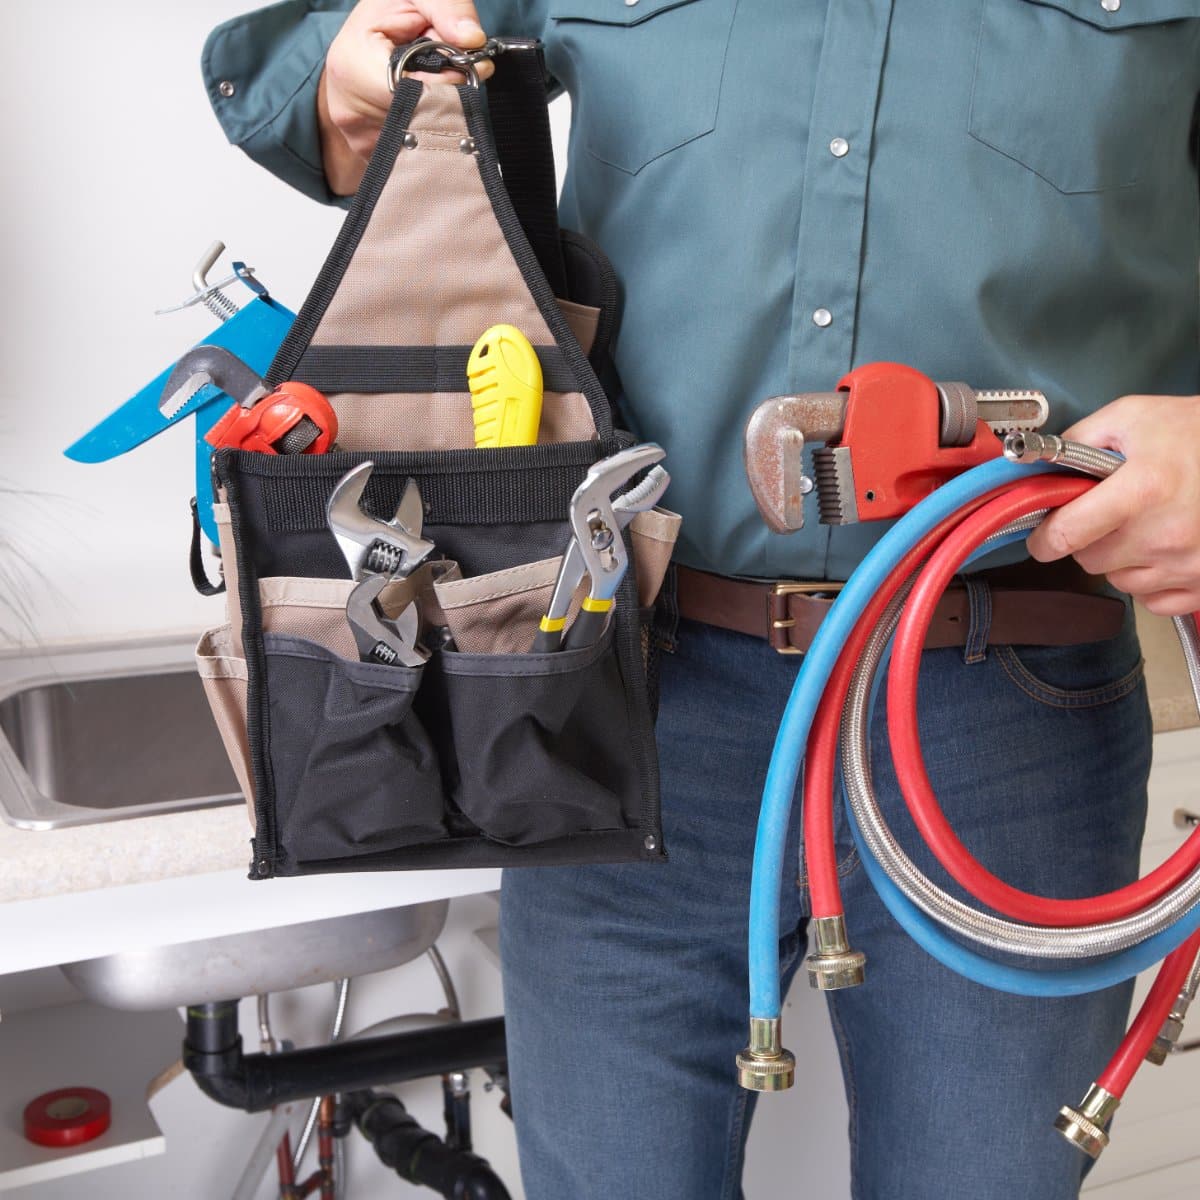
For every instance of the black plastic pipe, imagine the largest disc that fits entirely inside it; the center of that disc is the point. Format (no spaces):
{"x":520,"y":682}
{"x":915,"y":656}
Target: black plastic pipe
{"x":212,"y":1052}
{"x":417,"y":1155}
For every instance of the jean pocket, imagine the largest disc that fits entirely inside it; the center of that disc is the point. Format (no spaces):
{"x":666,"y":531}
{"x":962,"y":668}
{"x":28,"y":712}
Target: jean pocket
{"x":542,"y":742}
{"x":1088,"y":99}
{"x":1088,"y":675}
{"x":354,"y":770}
{"x":644,"y":79}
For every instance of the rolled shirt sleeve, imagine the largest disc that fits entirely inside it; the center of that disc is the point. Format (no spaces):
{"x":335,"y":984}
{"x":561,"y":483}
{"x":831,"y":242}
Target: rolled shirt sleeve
{"x":261,"y":72}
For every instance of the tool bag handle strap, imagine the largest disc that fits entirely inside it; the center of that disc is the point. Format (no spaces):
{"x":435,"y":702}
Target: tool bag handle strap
{"x":520,"y":120}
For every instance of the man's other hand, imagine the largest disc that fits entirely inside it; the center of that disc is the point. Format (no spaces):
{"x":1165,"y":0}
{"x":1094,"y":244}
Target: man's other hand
{"x":1141,"y":526}
{"x":353,"y":97}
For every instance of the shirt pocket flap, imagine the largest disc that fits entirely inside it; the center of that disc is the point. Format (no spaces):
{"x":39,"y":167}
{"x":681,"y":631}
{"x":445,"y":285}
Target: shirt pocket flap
{"x":1127,"y":13}
{"x":639,"y":88}
{"x":614,"y":12}
{"x":1088,"y":100}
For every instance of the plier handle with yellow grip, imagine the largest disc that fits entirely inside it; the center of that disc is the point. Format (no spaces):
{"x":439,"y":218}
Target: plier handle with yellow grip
{"x":597,"y":549}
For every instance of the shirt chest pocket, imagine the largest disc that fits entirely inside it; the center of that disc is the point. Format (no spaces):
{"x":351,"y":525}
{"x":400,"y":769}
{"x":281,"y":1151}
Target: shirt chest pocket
{"x":644,"y":77}
{"x":1087,"y":98}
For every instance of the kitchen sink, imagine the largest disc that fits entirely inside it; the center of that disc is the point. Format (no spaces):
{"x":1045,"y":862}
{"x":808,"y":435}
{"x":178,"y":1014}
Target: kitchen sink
{"x":256,"y":963}
{"x":105,"y":733}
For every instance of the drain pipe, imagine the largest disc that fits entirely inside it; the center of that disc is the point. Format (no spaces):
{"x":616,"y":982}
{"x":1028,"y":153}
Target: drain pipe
{"x":212,"y":1052}
{"x":417,"y":1155}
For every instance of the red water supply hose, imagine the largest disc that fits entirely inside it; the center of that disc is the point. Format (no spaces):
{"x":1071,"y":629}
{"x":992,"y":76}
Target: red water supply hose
{"x":1046,"y":491}
{"x":1155,"y":1009}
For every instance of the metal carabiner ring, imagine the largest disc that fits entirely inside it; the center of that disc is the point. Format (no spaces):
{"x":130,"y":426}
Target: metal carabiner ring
{"x":455,"y":54}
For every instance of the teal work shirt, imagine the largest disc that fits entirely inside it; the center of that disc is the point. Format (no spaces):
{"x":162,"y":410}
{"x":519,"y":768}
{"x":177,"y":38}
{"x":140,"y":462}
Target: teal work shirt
{"x":997,"y":191}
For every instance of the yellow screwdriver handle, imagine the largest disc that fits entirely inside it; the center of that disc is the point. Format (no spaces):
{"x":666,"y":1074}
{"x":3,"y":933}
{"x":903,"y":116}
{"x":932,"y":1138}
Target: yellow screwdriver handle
{"x":505,"y":379}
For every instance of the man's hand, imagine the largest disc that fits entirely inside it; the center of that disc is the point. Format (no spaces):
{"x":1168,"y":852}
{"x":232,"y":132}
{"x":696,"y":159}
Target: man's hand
{"x":1141,"y":526}
{"x":353,"y":97}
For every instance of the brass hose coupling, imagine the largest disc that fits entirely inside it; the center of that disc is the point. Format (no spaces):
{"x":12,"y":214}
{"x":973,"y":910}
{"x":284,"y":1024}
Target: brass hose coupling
{"x":764,"y":1065}
{"x":1084,"y":1127}
{"x":833,"y":965}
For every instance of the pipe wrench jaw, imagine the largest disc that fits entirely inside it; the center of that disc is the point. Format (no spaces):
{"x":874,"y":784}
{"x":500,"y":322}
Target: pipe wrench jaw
{"x":372,"y":546}
{"x":890,"y":436}
{"x":204,"y":365}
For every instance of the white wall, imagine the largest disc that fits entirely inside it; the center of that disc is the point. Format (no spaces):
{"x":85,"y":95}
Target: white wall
{"x":118,"y":177}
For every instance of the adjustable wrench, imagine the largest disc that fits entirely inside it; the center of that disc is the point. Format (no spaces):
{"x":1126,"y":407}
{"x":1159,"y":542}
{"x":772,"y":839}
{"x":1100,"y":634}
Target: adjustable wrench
{"x":377,"y":552}
{"x":596,"y":549}
{"x":891,"y":436}
{"x":381,"y":638}
{"x":372,"y":546}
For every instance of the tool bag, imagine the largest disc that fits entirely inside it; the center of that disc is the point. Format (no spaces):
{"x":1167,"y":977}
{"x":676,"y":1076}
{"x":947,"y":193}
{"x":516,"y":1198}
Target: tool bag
{"x":488,"y":754}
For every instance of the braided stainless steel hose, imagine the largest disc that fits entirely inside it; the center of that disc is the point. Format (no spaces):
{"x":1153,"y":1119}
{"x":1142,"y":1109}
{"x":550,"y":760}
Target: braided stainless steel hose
{"x":983,"y":928}
{"x":994,"y":932}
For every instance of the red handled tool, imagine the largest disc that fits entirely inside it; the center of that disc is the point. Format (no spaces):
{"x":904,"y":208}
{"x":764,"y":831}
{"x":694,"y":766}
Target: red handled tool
{"x":293,"y":419}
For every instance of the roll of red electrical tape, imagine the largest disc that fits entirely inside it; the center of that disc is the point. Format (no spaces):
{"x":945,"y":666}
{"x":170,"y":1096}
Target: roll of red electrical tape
{"x":67,"y":1117}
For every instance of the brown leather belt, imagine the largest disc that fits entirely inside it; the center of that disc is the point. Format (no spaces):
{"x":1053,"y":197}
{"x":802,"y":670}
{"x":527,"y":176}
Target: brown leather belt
{"x":1033,"y":604}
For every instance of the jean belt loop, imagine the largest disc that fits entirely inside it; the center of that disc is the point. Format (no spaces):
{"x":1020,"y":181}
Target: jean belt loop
{"x":979,"y":605}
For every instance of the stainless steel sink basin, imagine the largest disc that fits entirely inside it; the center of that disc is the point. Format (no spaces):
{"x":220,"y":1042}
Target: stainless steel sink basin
{"x":254,"y":964}
{"x":105,"y":733}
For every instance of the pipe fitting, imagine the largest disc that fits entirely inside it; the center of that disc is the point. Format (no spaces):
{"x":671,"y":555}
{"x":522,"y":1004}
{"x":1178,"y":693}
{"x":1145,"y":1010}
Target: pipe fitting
{"x":833,"y":965}
{"x":1028,"y":447}
{"x":1084,"y":1127}
{"x":1172,"y":1030}
{"x":764,"y":1065}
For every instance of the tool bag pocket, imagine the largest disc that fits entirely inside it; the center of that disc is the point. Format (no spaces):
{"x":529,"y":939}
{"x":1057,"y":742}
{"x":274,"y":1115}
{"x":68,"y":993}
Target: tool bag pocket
{"x":224,"y":676}
{"x":490,"y":754}
{"x":542,"y":744}
{"x":352,"y":768}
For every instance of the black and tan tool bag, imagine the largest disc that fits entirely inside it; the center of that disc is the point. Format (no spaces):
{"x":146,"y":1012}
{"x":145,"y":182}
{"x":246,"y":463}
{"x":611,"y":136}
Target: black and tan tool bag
{"x":488,"y":754}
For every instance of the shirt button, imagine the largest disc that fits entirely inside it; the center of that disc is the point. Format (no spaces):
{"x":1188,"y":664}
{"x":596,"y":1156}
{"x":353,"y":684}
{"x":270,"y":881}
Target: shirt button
{"x":822,"y":317}
{"x":226,"y":88}
{"x":1110,"y":5}
{"x":630,"y":3}
{"x":839,"y":147}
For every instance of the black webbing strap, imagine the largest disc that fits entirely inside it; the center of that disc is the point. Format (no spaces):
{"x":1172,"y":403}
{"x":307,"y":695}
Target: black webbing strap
{"x":520,"y":120}
{"x":200,"y":580}
{"x":410,"y":369}
{"x":508,"y":497}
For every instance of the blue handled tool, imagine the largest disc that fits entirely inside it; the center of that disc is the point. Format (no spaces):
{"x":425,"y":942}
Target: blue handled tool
{"x":253,"y":333}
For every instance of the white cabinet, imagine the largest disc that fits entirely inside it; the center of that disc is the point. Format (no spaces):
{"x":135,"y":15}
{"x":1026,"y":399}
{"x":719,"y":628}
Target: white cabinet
{"x":1155,"y":1151}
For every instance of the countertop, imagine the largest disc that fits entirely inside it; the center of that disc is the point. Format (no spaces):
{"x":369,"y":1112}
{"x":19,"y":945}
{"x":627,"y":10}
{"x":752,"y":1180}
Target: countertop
{"x":71,"y":894}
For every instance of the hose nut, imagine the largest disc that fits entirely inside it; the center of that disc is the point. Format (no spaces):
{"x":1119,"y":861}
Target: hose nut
{"x":764,"y":1065}
{"x":1168,"y":1038}
{"x":1084,"y":1127}
{"x":833,"y":965}
{"x":1028,"y":447}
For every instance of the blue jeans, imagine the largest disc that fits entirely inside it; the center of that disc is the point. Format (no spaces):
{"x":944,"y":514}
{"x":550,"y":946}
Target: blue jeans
{"x":625,"y":986}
